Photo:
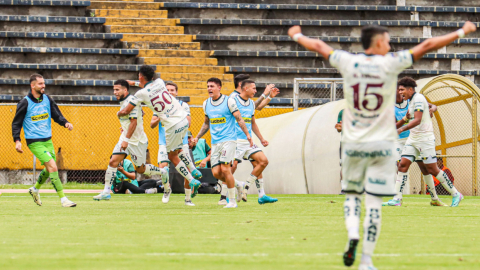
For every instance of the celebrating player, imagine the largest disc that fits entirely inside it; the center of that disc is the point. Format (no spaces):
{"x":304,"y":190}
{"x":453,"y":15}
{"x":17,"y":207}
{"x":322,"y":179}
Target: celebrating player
{"x":133,"y":141}
{"x":220,"y":115}
{"x":369,"y":132}
{"x":172,"y":116}
{"x":35,"y":113}
{"x":244,"y":149}
{"x":421,"y":143}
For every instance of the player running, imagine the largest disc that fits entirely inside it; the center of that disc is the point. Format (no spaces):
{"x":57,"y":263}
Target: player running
{"x":35,"y":113}
{"x":172,"y":116}
{"x":133,"y":141}
{"x":369,"y":132}
{"x":421,"y":143}
{"x":244,"y":151}
{"x":220,"y":115}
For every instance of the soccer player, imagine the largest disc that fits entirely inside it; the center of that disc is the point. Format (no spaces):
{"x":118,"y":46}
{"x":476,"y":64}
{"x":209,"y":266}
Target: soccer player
{"x":172,"y":116}
{"x":421,"y":143}
{"x":220,"y":115}
{"x":338,"y":127}
{"x":133,"y":141}
{"x":368,"y":130}
{"x":162,"y":157}
{"x":244,"y":151}
{"x":35,"y":113}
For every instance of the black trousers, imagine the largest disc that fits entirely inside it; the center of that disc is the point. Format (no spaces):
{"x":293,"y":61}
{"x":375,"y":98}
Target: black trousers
{"x":144,"y":185}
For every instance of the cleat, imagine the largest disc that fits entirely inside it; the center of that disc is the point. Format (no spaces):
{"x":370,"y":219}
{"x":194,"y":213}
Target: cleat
{"x":102,"y":196}
{"x":194,"y":186}
{"x":456,"y":200}
{"x":393,"y":203}
{"x":151,"y":191}
{"x":366,"y":267}
{"x":35,"y":196}
{"x":166,"y":196}
{"x":68,"y":203}
{"x":189,"y":203}
{"x":244,"y":194}
{"x":232,"y":204}
{"x":351,"y":249}
{"x":222,"y":202}
{"x":266,"y":199}
{"x":240,"y":191}
{"x":196,"y":174}
{"x":437,"y":203}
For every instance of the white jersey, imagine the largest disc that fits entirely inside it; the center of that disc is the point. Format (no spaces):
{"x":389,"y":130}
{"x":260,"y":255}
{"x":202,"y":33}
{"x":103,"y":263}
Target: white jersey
{"x":155,"y":95}
{"x":185,"y":107}
{"x":137,"y":113}
{"x":370,"y":83}
{"x":424,"y":131}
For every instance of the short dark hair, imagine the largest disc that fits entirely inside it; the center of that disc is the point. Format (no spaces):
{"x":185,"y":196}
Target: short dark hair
{"x":247,"y":82}
{"x":147,"y":71}
{"x":215,"y":80}
{"x":370,"y":31}
{"x":239,"y":78}
{"x":34,"y":77}
{"x":173,"y":84}
{"x":407,"y":82}
{"x":122,"y":83}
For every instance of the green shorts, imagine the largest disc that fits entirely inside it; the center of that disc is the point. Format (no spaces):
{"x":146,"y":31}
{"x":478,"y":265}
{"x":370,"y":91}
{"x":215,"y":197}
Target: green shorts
{"x":44,"y":151}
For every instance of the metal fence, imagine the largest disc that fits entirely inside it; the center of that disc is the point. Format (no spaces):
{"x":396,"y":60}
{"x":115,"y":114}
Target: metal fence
{"x":311,"y":92}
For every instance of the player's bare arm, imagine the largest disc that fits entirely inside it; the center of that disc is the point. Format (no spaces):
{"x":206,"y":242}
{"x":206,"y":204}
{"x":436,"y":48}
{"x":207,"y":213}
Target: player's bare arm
{"x":155,"y":121}
{"x":130,"y":175}
{"x":311,"y":44}
{"x":126,"y":110}
{"x":432,"y":108}
{"x":243,"y":126}
{"x":256,"y":130}
{"x":134,"y":83}
{"x":204,"y":129}
{"x":263,"y":97}
{"x":273,"y":93}
{"x":338,"y":127}
{"x":417,"y":119}
{"x":436,"y":43}
{"x":189,"y":119}
{"x":130,"y":131}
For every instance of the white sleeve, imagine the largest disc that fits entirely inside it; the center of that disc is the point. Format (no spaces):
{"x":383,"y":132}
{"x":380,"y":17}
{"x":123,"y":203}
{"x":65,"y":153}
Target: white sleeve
{"x":232,"y":105}
{"x":420,"y":104}
{"x":134,"y":113}
{"x":254,"y":107}
{"x":186,"y":107}
{"x":204,"y":107}
{"x":139,"y":97}
{"x":340,"y":59}
{"x":399,"y":61}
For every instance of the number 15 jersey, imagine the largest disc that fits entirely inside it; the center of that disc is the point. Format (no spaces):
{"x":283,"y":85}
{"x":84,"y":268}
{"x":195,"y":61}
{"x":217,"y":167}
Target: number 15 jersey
{"x":369,"y":87}
{"x":155,"y":95}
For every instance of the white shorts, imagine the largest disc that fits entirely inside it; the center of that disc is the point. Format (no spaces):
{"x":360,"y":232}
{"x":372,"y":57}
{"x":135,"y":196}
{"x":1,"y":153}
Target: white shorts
{"x":138,"y":153}
{"x":369,"y":167}
{"x":174,"y":135}
{"x":421,"y":151}
{"x":162,"y":154}
{"x":399,"y":145}
{"x":223,"y":153}
{"x":244,"y":151}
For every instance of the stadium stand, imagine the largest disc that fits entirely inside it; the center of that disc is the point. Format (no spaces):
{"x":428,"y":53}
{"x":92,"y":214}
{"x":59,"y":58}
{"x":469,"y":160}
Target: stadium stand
{"x":88,"y":44}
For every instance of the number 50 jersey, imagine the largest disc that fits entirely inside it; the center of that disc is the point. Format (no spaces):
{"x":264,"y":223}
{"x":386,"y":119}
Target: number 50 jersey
{"x":369,"y":87}
{"x":155,"y":95}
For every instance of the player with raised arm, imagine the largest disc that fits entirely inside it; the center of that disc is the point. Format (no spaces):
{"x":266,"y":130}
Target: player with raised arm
{"x":133,"y":141}
{"x":244,"y":151}
{"x":270,"y":91}
{"x":368,"y":129}
{"x":220,"y":115}
{"x":162,"y":156}
{"x":155,"y":95}
{"x":421,"y":143}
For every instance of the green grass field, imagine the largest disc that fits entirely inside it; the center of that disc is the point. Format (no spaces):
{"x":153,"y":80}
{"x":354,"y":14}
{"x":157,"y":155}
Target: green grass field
{"x":298,"y":232}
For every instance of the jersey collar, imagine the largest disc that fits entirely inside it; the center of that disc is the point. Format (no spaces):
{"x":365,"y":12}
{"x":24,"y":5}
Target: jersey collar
{"x":40,"y":99}
{"x":412,"y":96}
{"x":217,"y":98}
{"x":147,"y":84}
{"x":122,"y":99}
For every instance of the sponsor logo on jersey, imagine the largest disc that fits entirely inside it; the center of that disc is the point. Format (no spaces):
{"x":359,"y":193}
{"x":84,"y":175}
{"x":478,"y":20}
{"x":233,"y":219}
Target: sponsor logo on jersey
{"x":364,"y":154}
{"x":39,"y":117}
{"x":221,"y":120}
{"x":248,"y":120}
{"x":180,"y":129}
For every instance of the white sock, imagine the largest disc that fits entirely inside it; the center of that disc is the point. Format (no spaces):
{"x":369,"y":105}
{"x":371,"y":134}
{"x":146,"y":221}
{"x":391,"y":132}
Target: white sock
{"x":110,"y":175}
{"x":187,"y":160}
{"x":352,"y":208}
{"x":63,"y":199}
{"x":402,"y":179}
{"x":188,"y":194}
{"x":239,"y":183}
{"x":231,"y":195}
{"x":153,"y":170}
{"x":446,"y":183}
{"x":259,"y":183}
{"x":182,"y":169}
{"x":223,"y":194}
{"x":371,"y":226}
{"x":250,"y":180}
{"x":431,"y":186}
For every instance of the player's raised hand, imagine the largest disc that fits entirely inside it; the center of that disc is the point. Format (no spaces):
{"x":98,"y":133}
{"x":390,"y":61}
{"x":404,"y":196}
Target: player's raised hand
{"x":294,"y":30}
{"x":195,"y":140}
{"x":69,"y":126}
{"x":18,"y":147}
{"x":268,"y":89}
{"x":469,"y":27}
{"x":275,"y":91}
{"x":264,"y":142}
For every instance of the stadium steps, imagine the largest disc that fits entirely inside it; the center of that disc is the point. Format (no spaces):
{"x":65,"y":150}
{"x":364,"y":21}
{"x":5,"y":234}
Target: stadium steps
{"x":174,"y":53}
{"x":145,"y":29}
{"x":129,"y":13}
{"x":58,"y":39}
{"x":124,"y":5}
{"x":140,"y":21}
{"x":43,"y":7}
